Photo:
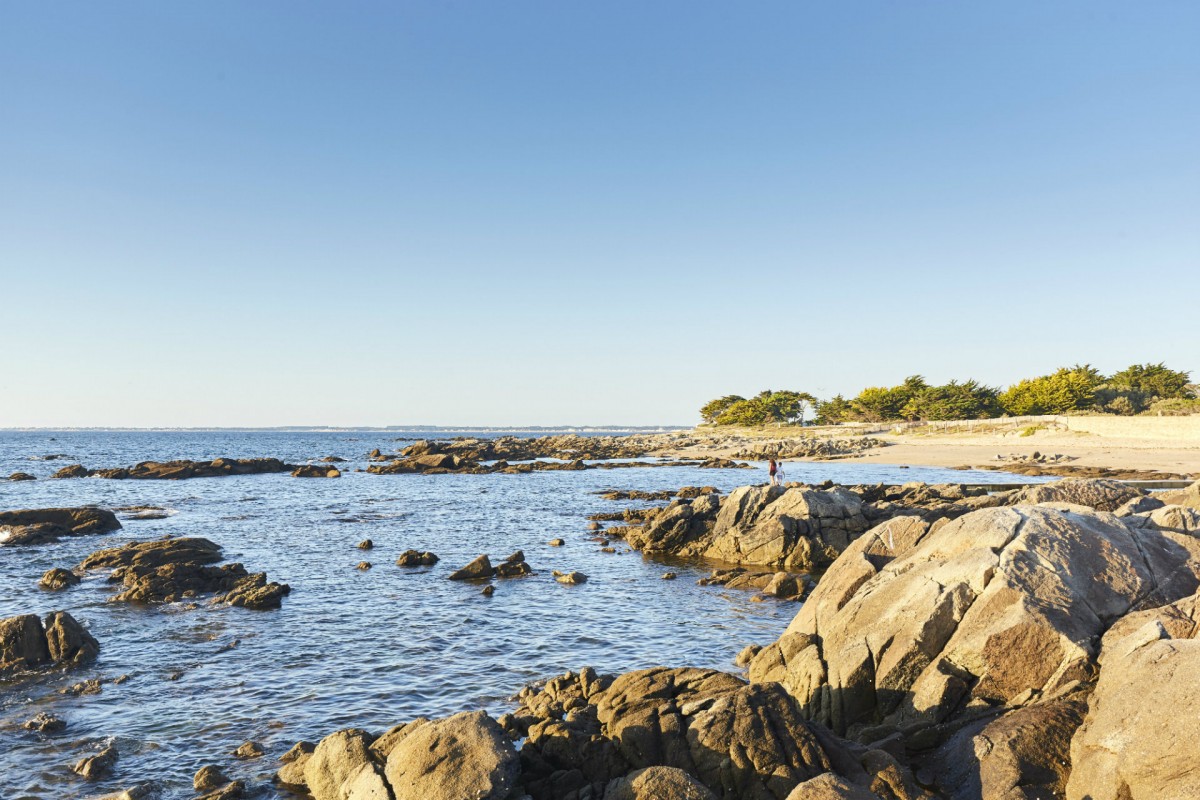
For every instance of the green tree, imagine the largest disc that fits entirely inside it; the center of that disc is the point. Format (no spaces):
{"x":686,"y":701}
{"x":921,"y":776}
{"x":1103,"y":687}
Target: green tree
{"x":714,"y":408}
{"x":835,"y":410}
{"x":1067,"y":389}
{"x":969,"y":400}
{"x":1151,"y":382}
{"x":883,"y":404}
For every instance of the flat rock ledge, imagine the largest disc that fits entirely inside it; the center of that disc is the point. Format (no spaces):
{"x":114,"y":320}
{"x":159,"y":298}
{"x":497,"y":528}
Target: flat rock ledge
{"x":182,"y":470}
{"x":48,"y":525}
{"x":170,"y":570}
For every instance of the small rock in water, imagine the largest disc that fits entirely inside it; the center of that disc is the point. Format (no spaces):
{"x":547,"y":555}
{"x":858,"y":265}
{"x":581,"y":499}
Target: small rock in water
{"x":488,"y":591}
{"x":58,"y":578}
{"x":230,"y":791}
{"x":669,"y":576}
{"x":570,"y":577}
{"x":91,"y":686}
{"x":249,"y":750}
{"x":363,"y":565}
{"x":416,"y":558}
{"x":758,"y":598}
{"x":208,"y":778}
{"x":556,"y":542}
{"x":46,"y":723}
{"x":21,"y":476}
{"x":595,"y":526}
{"x":117,"y":681}
{"x":747,"y":654}
{"x":96,"y":767}
{"x":608,"y":549}
{"x":479,"y":568}
{"x":365,"y":544}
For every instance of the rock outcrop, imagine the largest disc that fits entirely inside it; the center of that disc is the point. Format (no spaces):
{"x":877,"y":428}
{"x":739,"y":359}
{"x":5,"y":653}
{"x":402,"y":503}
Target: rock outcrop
{"x":27,"y":643}
{"x":43,"y":525}
{"x":316,"y":471}
{"x":168,"y":570}
{"x":180,"y":470}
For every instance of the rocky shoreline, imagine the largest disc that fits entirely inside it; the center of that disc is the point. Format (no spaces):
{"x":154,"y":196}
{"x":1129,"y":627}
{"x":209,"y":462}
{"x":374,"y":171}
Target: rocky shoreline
{"x":954,"y":644}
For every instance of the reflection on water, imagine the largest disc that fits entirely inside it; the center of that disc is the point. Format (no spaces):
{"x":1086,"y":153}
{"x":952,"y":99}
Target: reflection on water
{"x":348,"y":648}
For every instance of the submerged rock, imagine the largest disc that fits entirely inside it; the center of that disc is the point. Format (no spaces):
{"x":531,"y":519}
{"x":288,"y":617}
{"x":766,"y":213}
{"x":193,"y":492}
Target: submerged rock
{"x":570,"y":577}
{"x":95,"y":767}
{"x":43,"y":525}
{"x":316,"y":471}
{"x":21,"y":476}
{"x":45,"y":723}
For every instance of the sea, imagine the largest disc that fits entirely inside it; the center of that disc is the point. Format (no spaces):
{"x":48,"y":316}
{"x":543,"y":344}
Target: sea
{"x":349,"y":648}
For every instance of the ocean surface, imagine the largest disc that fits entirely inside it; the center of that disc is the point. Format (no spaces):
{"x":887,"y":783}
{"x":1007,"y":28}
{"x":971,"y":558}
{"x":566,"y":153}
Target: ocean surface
{"x":367,"y":649}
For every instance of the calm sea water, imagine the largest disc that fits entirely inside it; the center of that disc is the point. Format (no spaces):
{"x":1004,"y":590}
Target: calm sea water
{"x":349,"y":648}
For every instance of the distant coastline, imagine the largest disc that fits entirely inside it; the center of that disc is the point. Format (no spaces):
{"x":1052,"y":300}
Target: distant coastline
{"x":386,"y":429}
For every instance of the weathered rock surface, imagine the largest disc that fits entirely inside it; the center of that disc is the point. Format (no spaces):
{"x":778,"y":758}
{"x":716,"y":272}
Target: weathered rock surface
{"x":45,"y":723}
{"x":95,"y":767}
{"x":1189,"y":497}
{"x":42,"y":525}
{"x":180,"y":470}
{"x":26,"y":644}
{"x":21,"y":476}
{"x":1140,"y":736}
{"x":1102,"y":495}
{"x":168,"y":570}
{"x":486,"y":765}
{"x":316,"y":471}
{"x":58,"y":578}
{"x":478,"y":569}
{"x":917,"y":625}
{"x":416,"y":558}
{"x":657,"y":783}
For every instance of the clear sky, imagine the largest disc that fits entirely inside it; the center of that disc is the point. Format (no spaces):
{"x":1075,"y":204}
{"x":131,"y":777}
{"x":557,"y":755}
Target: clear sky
{"x":273,"y":213}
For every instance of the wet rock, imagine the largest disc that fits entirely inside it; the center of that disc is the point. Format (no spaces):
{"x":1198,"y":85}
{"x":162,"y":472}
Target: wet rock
{"x":919,"y":627}
{"x":21,"y":476}
{"x":570,"y":577}
{"x":46,"y":723}
{"x":556,"y":542}
{"x":181,"y":470}
{"x":747,"y":654}
{"x":478,"y":569}
{"x":90,"y":686}
{"x":93,"y":768}
{"x":169,"y":570}
{"x":208,"y":778}
{"x":26,"y":644}
{"x":315,"y":471}
{"x":363,"y":565}
{"x":58,"y":578}
{"x":367,"y":544}
{"x":295,"y":761}
{"x":43,"y":525}
{"x":416,"y":558}
{"x":466,"y":755}
{"x":657,"y":783}
{"x":669,"y":576}
{"x":488,"y":591}
{"x":235,"y":790}
{"x":249,"y":750}
{"x":514,"y":566}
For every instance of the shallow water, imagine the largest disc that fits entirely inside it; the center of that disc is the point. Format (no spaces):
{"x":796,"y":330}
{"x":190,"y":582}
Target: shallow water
{"x":348,"y":648}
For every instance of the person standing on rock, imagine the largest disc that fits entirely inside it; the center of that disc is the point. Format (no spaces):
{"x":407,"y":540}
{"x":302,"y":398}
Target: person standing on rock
{"x":772,"y":469}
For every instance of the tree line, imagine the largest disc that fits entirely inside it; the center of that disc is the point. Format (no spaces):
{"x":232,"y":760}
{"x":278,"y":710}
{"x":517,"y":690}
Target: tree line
{"x":1135,"y":389}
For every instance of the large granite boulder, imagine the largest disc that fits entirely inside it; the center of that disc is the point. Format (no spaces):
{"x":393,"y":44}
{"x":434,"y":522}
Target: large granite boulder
{"x":1140,"y":736}
{"x":26,"y":643}
{"x":466,"y":755}
{"x":918,"y":625}
{"x":342,"y":766}
{"x":796,"y":528}
{"x":657,"y":783}
{"x":43,"y":525}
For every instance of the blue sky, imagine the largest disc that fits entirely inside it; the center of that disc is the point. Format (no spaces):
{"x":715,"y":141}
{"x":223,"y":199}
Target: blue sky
{"x":271,"y":213}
